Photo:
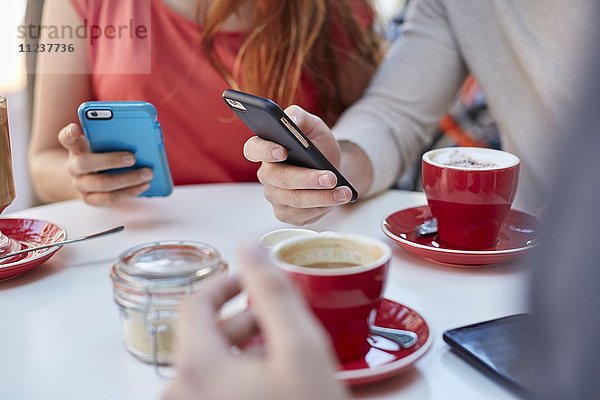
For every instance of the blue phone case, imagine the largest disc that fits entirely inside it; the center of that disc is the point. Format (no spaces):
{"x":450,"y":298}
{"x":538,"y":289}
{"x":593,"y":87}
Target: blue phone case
{"x":133,"y":127}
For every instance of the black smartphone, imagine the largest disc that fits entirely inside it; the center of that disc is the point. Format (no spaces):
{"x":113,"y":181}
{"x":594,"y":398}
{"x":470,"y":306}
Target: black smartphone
{"x":500,"y":348}
{"x":268,"y":121}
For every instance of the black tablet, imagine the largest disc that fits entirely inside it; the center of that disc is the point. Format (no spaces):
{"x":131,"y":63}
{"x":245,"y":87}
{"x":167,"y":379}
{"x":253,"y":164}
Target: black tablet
{"x":500,"y":347}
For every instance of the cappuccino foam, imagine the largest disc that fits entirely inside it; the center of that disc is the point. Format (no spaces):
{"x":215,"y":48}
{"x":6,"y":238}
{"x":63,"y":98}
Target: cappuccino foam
{"x":330,"y":252}
{"x":473,"y":158}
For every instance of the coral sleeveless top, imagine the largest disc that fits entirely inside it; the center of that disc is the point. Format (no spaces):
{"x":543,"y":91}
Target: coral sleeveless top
{"x":203,"y":138}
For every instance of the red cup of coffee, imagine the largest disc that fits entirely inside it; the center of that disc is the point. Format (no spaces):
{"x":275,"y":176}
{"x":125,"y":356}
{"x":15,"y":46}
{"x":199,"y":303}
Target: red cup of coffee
{"x":470,"y":191}
{"x":343,"y":278}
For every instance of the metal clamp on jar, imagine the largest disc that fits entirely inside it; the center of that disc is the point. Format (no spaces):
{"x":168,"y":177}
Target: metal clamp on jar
{"x":150,"y":282}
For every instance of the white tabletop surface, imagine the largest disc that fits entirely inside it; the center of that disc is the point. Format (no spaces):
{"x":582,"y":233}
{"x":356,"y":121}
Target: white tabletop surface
{"x":60,"y":331}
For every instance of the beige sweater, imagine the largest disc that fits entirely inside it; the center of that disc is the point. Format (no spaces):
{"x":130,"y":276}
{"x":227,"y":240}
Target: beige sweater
{"x":526,"y":55}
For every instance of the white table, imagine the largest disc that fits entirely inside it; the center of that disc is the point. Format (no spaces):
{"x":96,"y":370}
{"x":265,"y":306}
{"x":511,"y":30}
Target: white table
{"x":60,"y":333}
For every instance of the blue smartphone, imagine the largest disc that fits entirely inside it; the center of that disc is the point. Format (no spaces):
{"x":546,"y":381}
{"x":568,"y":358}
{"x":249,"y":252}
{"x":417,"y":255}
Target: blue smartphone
{"x":129,"y":126}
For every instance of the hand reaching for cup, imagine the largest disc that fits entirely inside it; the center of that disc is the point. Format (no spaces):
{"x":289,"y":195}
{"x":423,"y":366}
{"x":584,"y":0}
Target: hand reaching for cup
{"x":101,"y":189}
{"x":299,"y":195}
{"x":298,"y":363}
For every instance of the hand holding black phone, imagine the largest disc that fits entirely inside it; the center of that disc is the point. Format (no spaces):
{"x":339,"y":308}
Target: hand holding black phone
{"x":269,"y":122}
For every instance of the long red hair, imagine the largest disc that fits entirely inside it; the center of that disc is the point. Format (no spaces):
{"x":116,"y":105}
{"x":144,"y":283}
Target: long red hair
{"x":331,"y":42}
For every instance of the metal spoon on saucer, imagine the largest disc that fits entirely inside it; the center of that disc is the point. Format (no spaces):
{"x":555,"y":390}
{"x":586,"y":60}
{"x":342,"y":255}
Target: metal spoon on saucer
{"x":65,"y":242}
{"x":406,"y":339}
{"x":428,"y":227}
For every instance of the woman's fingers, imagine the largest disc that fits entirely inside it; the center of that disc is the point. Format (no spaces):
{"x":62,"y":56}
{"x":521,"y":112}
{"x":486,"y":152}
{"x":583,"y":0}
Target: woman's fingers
{"x":101,"y":189}
{"x":72,"y":139}
{"x":88,"y":163}
{"x":107,"y":199}
{"x":82,"y":161}
{"x":111,"y":182}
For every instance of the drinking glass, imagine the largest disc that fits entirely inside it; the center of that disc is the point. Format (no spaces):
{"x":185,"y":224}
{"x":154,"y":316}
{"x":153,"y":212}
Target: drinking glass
{"x":7,"y":185}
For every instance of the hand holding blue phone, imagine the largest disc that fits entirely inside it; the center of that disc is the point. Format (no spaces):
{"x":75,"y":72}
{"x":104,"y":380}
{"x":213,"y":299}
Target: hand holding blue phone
{"x":119,"y":154}
{"x":101,"y":189}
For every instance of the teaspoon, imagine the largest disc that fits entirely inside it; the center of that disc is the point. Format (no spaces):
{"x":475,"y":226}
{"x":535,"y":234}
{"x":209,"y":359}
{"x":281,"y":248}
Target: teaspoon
{"x":406,"y":339}
{"x":64,"y":242}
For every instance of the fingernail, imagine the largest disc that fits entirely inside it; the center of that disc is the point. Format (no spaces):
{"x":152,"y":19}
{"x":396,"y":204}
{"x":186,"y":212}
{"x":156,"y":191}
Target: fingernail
{"x":128,"y":160}
{"x":294,"y":119}
{"x":146,"y":175}
{"x":278,"y":154}
{"x":325,"y":180}
{"x":342,"y":195}
{"x":71,"y":135}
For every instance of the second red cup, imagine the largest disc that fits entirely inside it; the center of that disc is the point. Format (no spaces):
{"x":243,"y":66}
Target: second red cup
{"x":470,"y":192}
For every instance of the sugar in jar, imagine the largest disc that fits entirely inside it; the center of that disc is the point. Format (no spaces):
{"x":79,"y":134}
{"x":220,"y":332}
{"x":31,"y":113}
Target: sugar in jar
{"x":150,"y":282}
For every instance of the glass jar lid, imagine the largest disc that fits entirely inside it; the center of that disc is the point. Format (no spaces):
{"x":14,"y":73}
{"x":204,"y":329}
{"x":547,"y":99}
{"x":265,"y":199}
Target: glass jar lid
{"x":166,"y":266}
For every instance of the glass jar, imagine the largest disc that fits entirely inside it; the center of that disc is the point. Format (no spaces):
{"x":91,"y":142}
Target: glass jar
{"x":150,"y":282}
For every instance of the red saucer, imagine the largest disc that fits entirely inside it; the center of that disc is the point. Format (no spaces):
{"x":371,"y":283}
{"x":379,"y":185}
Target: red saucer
{"x":386,"y":358}
{"x":518,"y":235}
{"x":29,"y":233}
